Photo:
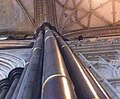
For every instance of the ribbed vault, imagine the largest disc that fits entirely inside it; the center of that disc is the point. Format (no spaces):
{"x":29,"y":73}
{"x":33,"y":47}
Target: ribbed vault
{"x":86,"y":14}
{"x":67,"y":15}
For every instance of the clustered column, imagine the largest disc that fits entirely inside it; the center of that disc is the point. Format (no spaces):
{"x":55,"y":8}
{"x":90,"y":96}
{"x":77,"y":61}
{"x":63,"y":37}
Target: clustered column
{"x":56,"y":81}
{"x":53,"y":72}
{"x":4,"y":87}
{"x":8,"y":85}
{"x":31,"y":82}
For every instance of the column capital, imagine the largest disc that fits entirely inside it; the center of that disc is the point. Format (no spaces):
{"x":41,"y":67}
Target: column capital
{"x":4,"y":84}
{"x":42,"y":27}
{"x":15,"y":73}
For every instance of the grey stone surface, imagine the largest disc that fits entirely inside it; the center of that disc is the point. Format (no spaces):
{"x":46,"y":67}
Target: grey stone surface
{"x":12,"y":58}
{"x":22,"y":53}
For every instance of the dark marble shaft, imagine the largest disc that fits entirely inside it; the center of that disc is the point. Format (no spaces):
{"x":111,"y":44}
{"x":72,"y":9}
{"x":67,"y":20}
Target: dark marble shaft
{"x":85,"y":86}
{"x":30,"y":86}
{"x":56,"y":81}
{"x":14,"y":77}
{"x":19,"y":83}
{"x":4,"y":87}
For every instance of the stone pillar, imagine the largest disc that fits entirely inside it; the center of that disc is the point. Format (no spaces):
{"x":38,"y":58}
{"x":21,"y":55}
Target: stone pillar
{"x":13,"y":77}
{"x":52,"y":13}
{"x":56,"y":81}
{"x":19,"y":83}
{"x":45,"y":11}
{"x":85,"y":85}
{"x":38,"y":13}
{"x":4,"y":87}
{"x":30,"y":86}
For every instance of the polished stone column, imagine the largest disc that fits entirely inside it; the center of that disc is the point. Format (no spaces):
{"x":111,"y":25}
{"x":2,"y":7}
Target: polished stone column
{"x":86,"y":86}
{"x":30,"y":86}
{"x":4,"y":87}
{"x":13,"y":77}
{"x":56,"y":81}
{"x":19,"y":83}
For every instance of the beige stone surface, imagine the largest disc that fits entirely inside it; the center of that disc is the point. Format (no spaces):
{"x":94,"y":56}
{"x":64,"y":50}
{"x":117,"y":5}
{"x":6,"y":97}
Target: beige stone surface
{"x":12,"y":17}
{"x":85,"y":14}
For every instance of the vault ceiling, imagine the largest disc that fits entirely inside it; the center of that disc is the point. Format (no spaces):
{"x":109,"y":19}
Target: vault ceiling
{"x":86,"y":14}
{"x":13,"y":17}
{"x":19,"y":15}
